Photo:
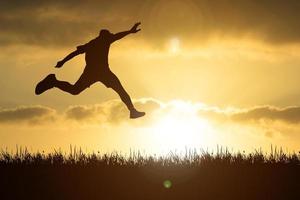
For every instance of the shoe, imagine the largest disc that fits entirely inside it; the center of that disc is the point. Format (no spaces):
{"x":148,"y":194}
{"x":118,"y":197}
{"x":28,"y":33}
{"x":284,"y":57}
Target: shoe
{"x":46,"y":84}
{"x":136,"y":114}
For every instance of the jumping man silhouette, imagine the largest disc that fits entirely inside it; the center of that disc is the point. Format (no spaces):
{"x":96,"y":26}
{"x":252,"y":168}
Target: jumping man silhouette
{"x":97,"y":69}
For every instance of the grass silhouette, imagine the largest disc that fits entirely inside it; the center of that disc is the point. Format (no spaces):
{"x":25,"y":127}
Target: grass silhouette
{"x":193,"y":175}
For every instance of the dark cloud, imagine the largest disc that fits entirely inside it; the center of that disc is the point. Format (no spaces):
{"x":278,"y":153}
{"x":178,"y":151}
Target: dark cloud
{"x":288,"y":115}
{"x":58,"y":23}
{"x":30,"y":114}
{"x":69,"y":22}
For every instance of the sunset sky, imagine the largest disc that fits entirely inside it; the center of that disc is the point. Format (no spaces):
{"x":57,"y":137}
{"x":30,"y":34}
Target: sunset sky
{"x":207,"y":73}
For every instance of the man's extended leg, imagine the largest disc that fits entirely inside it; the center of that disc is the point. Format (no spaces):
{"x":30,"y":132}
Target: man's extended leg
{"x":50,"y":81}
{"x":116,"y":85}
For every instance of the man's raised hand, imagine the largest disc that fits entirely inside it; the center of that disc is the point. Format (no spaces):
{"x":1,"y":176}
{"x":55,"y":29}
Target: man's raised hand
{"x":135,"y":29}
{"x":59,"y":64}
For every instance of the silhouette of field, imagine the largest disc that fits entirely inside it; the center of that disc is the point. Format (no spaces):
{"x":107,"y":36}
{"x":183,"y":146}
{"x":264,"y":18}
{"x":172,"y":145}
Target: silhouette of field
{"x":220,"y":175}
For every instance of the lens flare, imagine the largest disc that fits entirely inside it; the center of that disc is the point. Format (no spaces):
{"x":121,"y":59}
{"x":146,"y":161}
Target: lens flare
{"x":167,"y":184}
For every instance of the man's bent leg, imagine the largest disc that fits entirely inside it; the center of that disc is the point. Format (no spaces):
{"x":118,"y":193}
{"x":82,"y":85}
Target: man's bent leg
{"x":83,"y":82}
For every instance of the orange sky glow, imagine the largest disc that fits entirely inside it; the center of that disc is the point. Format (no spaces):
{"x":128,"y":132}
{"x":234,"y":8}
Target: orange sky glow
{"x":207,"y":73}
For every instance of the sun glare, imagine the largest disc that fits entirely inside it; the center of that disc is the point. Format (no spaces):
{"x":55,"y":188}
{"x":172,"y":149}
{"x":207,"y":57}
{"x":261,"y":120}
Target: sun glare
{"x":180,"y":127}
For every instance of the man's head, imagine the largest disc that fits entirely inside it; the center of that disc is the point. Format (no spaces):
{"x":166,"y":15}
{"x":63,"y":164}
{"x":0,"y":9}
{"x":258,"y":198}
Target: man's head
{"x":104,"y":33}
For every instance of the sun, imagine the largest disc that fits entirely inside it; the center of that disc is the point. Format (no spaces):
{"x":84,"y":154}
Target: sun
{"x":174,"y":45}
{"x":180,"y":128}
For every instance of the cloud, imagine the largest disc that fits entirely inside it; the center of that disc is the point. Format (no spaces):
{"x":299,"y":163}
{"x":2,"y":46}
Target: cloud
{"x":268,"y":120}
{"x":30,"y":114}
{"x":61,"y":23}
{"x":289,"y":115}
{"x":114,"y":112}
{"x":83,"y":112}
{"x":214,"y":113}
{"x":111,"y":112}
{"x":263,"y":114}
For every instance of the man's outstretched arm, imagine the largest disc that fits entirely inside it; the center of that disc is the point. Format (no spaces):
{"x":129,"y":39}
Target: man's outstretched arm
{"x":78,"y":51}
{"x":134,"y":29}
